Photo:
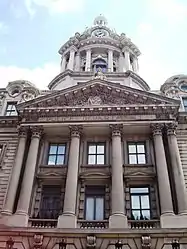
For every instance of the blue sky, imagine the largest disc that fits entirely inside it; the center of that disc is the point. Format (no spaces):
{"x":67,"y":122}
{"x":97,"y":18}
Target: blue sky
{"x":32,"y":31}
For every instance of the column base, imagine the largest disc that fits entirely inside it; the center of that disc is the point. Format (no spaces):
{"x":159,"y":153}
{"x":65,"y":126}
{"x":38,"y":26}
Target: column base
{"x":15,"y":220}
{"x":67,"y":220}
{"x":6,"y":213}
{"x":173,"y":221}
{"x":118,"y":221}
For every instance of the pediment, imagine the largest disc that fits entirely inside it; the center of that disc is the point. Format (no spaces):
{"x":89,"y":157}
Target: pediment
{"x":97,"y":93}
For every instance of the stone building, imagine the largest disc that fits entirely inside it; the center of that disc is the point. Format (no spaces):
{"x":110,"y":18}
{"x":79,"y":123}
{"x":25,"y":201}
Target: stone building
{"x":97,"y":161}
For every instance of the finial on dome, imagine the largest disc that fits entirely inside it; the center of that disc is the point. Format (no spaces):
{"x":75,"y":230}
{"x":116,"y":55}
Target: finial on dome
{"x":100,"y":20}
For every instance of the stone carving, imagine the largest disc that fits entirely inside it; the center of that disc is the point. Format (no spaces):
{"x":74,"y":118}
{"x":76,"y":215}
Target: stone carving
{"x":28,"y":95}
{"x":146,"y":242}
{"x":2,"y":96}
{"x":38,"y":241}
{"x":75,"y":130}
{"x":99,"y":75}
{"x":116,"y":129}
{"x":157,"y":128}
{"x":94,"y":100}
{"x":10,"y":243}
{"x":91,"y":241}
{"x":171,"y":128}
{"x":37,"y":131}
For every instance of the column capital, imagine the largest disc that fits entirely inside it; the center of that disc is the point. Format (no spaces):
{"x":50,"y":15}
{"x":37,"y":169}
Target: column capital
{"x":171,"y":128}
{"x":36,"y":131}
{"x":116,"y":129}
{"x":75,"y":130}
{"x":23,"y":131}
{"x":157,"y":128}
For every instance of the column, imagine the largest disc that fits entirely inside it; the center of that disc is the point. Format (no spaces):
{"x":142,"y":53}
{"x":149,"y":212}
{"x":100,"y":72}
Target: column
{"x":118,"y":218}
{"x":127,"y":60}
{"x":68,"y":219}
{"x":88,"y":60}
{"x":135,"y":65}
{"x":77,"y":62}
{"x":121,"y":63}
{"x":63,"y":64}
{"x":15,"y":175}
{"x":166,"y":204}
{"x":71,"y":59}
{"x":177,"y":169}
{"x":110,"y":60}
{"x":28,"y":178}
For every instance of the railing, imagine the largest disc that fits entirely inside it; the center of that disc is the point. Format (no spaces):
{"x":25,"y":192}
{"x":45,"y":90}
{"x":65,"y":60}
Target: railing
{"x":84,"y":224}
{"x":43,"y":223}
{"x":144,"y":224}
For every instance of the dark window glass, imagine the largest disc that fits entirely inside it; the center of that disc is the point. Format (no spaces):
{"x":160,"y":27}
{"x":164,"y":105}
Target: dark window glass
{"x":185,"y":103}
{"x":140,"y":203}
{"x":99,"y":65}
{"x":56,"y":154}
{"x":96,"y":153}
{"x":136,"y":153}
{"x":94,"y":203}
{"x":11,"y":109}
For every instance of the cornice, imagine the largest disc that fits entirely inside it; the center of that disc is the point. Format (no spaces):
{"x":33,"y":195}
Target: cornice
{"x":9,"y":121}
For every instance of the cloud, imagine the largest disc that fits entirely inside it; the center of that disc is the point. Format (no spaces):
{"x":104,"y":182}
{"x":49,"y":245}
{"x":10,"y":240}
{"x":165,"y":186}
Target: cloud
{"x":40,"y":76}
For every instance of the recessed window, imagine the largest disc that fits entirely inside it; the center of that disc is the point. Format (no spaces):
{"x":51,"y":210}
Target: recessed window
{"x":184,"y":88}
{"x":99,"y":65}
{"x":11,"y":109}
{"x":136,"y":153}
{"x":94,"y":202}
{"x":140,"y":203}
{"x":185,"y":103}
{"x":96,"y":153}
{"x":56,"y":155}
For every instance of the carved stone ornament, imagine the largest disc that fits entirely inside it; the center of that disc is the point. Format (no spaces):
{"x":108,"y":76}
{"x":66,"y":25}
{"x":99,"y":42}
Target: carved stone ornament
{"x":37,"y":131}
{"x":116,"y":129}
{"x":94,"y":100}
{"x":38,"y":241}
{"x":157,"y":128}
{"x":2,"y":96}
{"x":10,"y":243}
{"x":171,"y":128}
{"x":91,"y":241}
{"x":75,"y":130}
{"x":99,"y":75}
{"x":22,"y":131}
{"x":146,"y":242}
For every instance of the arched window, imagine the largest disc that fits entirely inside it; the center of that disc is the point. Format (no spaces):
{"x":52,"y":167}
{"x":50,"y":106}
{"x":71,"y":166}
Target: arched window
{"x":99,"y":63}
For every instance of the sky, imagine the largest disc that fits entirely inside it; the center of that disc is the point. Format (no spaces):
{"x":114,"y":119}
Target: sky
{"x":32,"y":31}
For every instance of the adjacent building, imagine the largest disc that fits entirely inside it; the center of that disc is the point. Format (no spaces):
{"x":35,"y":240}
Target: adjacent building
{"x":97,"y":161}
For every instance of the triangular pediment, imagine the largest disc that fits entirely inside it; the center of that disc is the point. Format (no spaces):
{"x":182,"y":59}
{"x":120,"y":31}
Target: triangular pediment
{"x":97,"y":93}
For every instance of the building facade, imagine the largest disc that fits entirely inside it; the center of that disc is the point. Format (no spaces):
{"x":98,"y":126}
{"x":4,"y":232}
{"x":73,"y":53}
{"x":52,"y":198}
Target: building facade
{"x":98,"y":160}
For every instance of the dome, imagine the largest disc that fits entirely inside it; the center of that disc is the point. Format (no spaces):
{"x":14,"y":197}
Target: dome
{"x":100,"y":20}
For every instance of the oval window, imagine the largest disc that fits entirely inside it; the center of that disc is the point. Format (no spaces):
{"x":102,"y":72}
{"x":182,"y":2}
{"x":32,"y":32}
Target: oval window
{"x":184,"y":88}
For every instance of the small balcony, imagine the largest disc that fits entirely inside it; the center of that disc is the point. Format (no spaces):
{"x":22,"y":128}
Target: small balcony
{"x":46,"y":218}
{"x":43,"y":223}
{"x":84,"y":224}
{"x":143,"y":224}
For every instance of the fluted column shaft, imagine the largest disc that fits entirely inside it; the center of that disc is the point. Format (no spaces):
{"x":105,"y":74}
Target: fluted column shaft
{"x":118,"y":206}
{"x":15,"y":175}
{"x":63,"y":63}
{"x":71,"y":59}
{"x":77,"y":62}
{"x":72,"y":174}
{"x":162,"y":171}
{"x":127,"y":60}
{"x":177,"y":169}
{"x":110,"y":60}
{"x":135,"y":65}
{"x":28,"y":178}
{"x":121,"y":63}
{"x":88,"y":60}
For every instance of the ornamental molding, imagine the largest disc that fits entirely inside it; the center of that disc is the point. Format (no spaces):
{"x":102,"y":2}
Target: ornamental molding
{"x":171,"y":128}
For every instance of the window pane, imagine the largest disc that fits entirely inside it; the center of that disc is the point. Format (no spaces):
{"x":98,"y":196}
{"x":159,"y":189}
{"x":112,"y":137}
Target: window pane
{"x":145,"y":201}
{"x":91,"y":159}
{"x":53,"y":149}
{"x":100,"y":149}
{"x":13,"y":107}
{"x":9,"y":107}
{"x":135,"y":202}
{"x":60,"y":160}
{"x":132,"y":159}
{"x":92,"y":149}
{"x":61,"y":149}
{"x":51,"y":160}
{"x":146,"y":214}
{"x":13,"y":113}
{"x":139,"y":190}
{"x":141,"y":148}
{"x":99,"y":212}
{"x":136,"y":214}
{"x":132,"y":148}
{"x":89,"y":208}
{"x":141,"y":159}
{"x":100,"y":159}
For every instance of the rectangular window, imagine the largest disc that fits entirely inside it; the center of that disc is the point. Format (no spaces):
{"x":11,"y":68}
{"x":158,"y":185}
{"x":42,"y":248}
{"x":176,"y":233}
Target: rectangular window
{"x":50,"y":203}
{"x":185,"y":103}
{"x":94,"y":203}
{"x":136,"y":153}
{"x":140,"y":203}
{"x":11,"y":109}
{"x":96,"y":153}
{"x":56,"y":154}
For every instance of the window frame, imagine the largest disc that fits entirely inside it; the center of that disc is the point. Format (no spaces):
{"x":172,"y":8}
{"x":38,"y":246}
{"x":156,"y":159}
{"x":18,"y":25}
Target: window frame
{"x":184,"y":99}
{"x":8,"y":112}
{"x":140,"y":202}
{"x":96,"y":144}
{"x":100,"y":192}
{"x":56,"y":155}
{"x":136,"y":143}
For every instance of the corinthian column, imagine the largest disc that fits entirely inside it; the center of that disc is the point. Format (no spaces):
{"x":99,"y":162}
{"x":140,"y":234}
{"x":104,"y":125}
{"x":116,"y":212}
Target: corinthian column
{"x":177,"y":169}
{"x":68,"y":219}
{"x":63,"y":64}
{"x":166,"y":204}
{"x":88,"y":60}
{"x":118,"y":218}
{"x":15,"y":175}
{"x":110,"y":60}
{"x":77,"y":62}
{"x":127,"y":60}
{"x":71,"y":59}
